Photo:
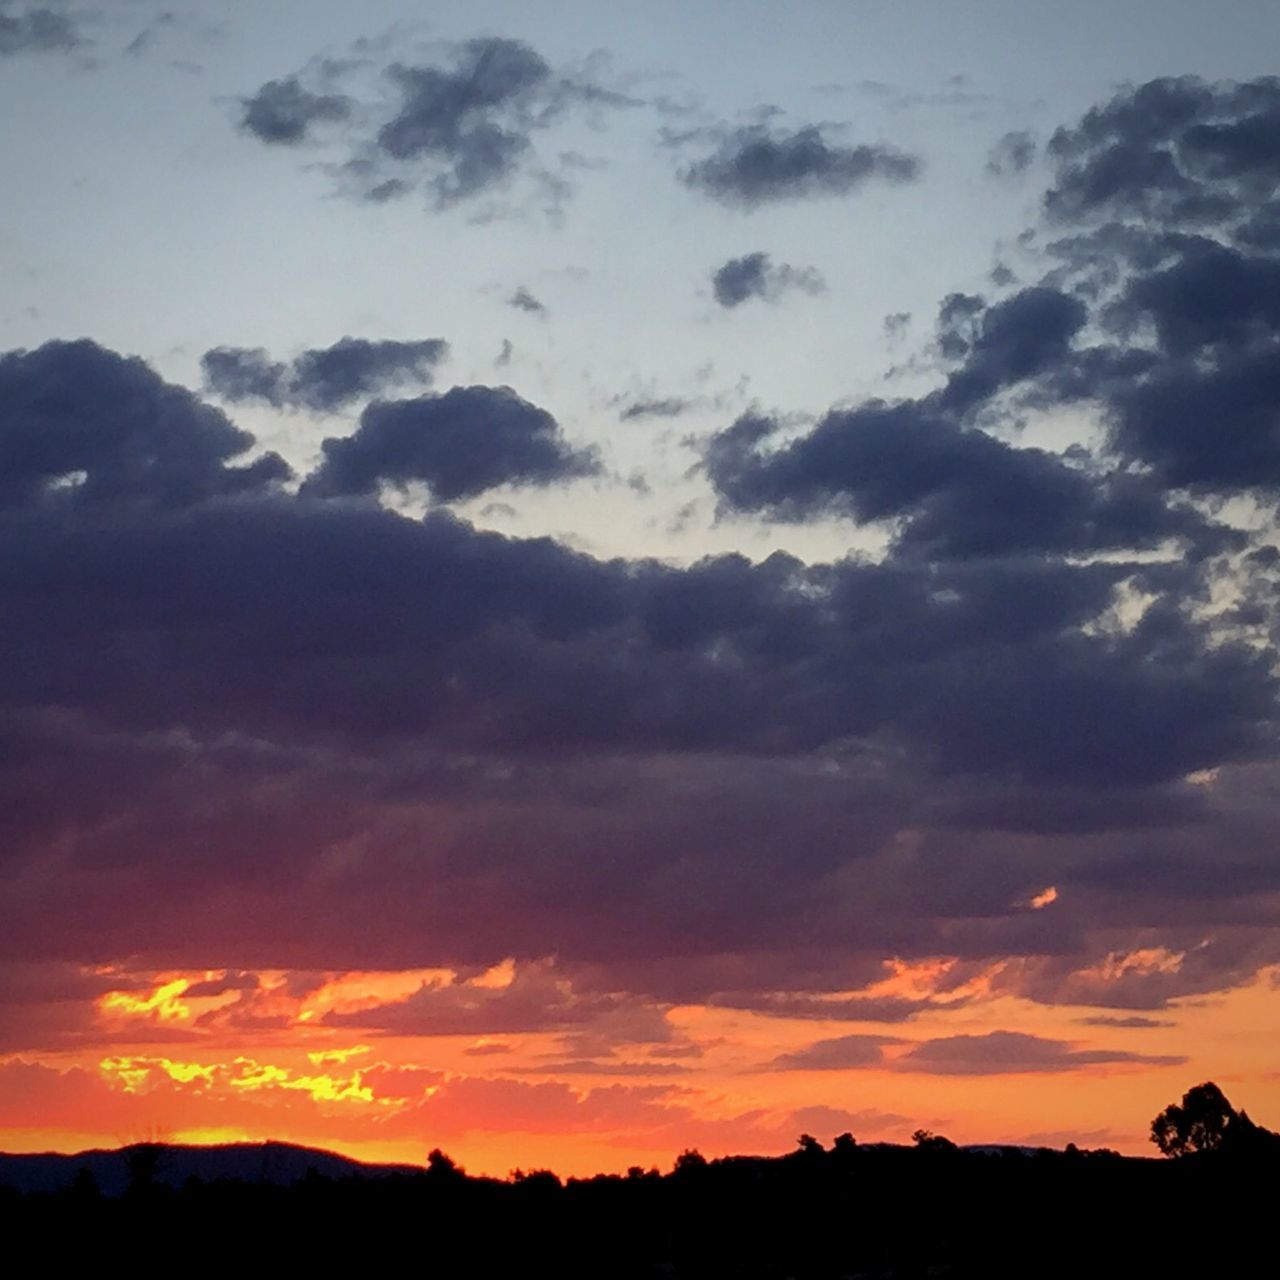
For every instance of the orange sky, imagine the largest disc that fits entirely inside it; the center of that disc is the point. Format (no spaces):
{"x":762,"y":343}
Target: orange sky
{"x":170,"y":1055}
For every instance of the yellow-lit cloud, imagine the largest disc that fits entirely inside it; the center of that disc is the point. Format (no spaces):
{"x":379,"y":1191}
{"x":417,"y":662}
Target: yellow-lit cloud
{"x":163,"y":1002}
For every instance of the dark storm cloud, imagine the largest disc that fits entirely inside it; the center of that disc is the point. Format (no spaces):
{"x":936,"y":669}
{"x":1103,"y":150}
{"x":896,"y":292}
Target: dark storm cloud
{"x":82,"y":424}
{"x":36,"y":30}
{"x":753,"y":165}
{"x":282,"y":112}
{"x":1013,"y":1053}
{"x":459,"y":444}
{"x":525,"y":645}
{"x":755,"y":275}
{"x":322,"y":379}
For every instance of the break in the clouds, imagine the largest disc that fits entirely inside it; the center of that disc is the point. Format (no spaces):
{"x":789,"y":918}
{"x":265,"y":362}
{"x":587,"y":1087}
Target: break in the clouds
{"x":459,"y":127}
{"x":36,"y":29}
{"x":756,"y":165}
{"x":459,"y":445}
{"x":756,"y":275}
{"x":322,"y":379}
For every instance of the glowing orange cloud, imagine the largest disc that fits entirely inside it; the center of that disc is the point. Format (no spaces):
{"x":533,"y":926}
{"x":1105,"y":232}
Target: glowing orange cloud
{"x":163,"y":1002}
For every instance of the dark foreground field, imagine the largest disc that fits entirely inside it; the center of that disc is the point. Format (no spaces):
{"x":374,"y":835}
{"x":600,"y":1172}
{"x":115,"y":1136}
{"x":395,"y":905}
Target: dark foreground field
{"x":867,"y":1211}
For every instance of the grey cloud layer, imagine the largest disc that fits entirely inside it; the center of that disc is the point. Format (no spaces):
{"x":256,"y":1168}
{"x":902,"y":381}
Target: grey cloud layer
{"x":742,"y":783}
{"x":637,"y":759}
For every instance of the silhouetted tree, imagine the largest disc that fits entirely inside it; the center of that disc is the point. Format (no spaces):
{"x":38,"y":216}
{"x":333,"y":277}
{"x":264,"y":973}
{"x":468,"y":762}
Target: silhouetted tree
{"x":143,"y":1163}
{"x":809,"y":1145}
{"x":1201,"y":1123}
{"x":440,"y":1168}
{"x":927,"y":1140}
{"x":690,"y":1161}
{"x":844,"y":1144}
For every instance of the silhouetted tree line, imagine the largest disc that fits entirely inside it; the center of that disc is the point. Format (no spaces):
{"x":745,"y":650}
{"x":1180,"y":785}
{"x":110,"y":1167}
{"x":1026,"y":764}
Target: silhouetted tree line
{"x":848,"y":1210}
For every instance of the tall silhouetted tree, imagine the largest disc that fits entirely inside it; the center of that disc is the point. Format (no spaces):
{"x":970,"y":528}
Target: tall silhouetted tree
{"x":1201,"y":1123}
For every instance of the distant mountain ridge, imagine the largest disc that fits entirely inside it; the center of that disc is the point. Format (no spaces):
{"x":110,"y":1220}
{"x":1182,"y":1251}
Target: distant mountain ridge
{"x":275,"y":1163}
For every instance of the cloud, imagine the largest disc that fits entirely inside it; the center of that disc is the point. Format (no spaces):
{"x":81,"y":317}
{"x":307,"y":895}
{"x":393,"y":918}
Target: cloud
{"x":1014,"y":1053}
{"x":753,"y":165}
{"x":953,"y":491}
{"x":322,"y":379}
{"x":700,"y":781}
{"x":37,"y":29}
{"x":538,"y":998}
{"x":460,"y":444}
{"x":843,"y":1053}
{"x":756,"y":276}
{"x":592,"y":1067}
{"x":1182,"y":152}
{"x":82,"y":425}
{"x":666,"y":407}
{"x":1131,"y":1023}
{"x":1013,"y":154}
{"x":283,"y":113}
{"x":458,"y":128}
{"x":523,"y":300}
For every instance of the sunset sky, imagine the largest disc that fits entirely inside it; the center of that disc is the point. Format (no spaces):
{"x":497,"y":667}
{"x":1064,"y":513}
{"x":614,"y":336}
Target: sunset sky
{"x":585,"y":580}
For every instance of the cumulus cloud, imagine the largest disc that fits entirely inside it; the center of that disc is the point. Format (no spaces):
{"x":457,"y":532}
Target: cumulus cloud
{"x":755,"y":275}
{"x":952,"y":491}
{"x":754,"y":165}
{"x":460,"y":444}
{"x":82,"y":424}
{"x":1179,"y":151}
{"x":322,"y":379}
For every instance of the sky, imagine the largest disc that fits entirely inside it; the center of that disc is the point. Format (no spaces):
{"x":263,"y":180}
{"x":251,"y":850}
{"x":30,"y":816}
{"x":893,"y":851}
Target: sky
{"x":581,"y":581}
